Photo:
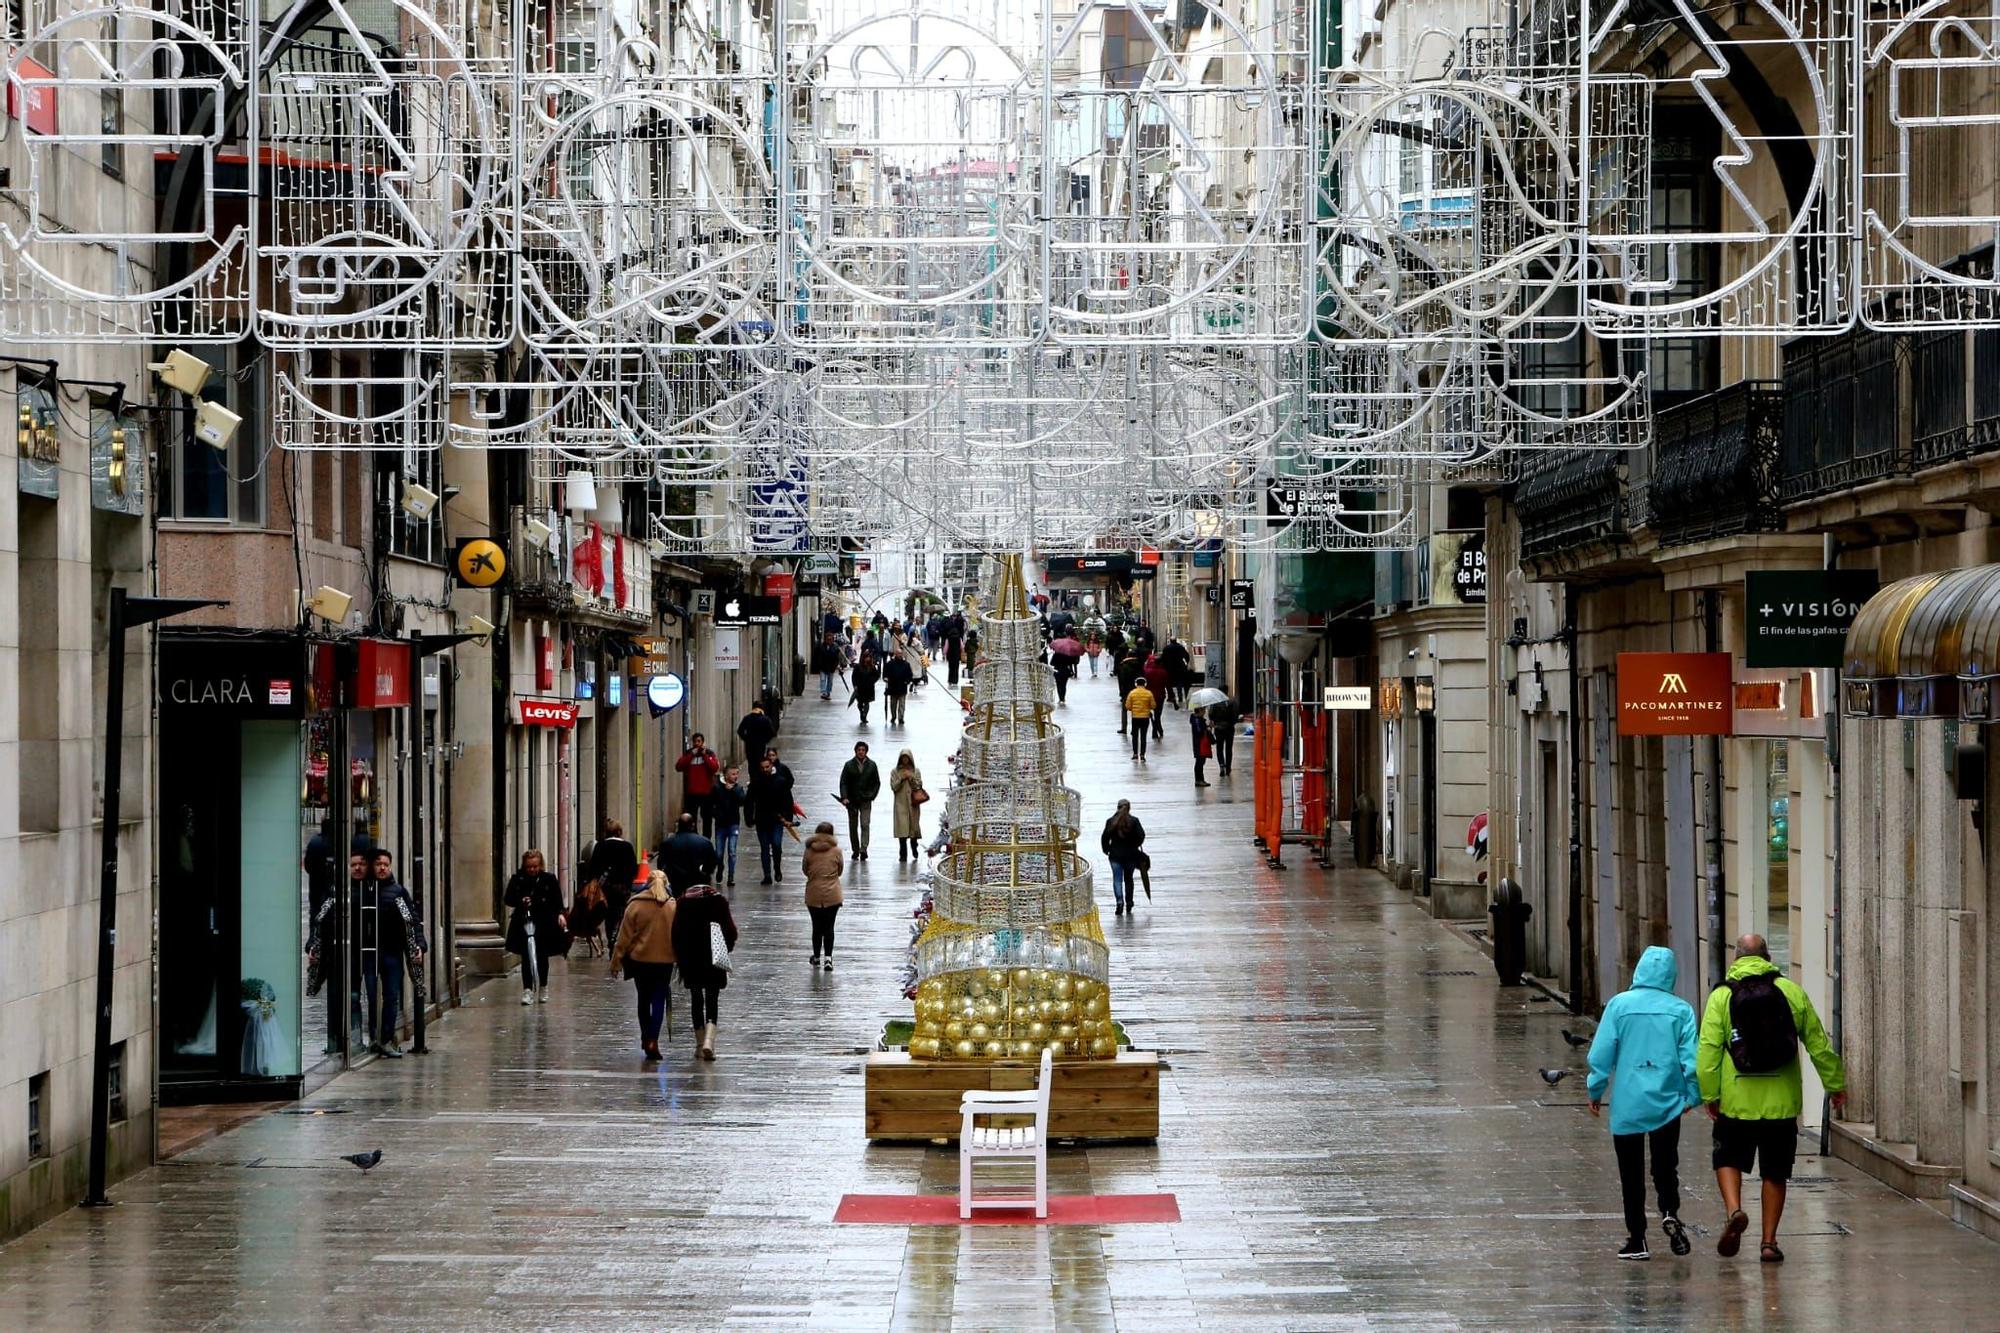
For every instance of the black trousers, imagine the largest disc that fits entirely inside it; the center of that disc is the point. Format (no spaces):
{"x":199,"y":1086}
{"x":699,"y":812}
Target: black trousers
{"x":1631,"y":1150}
{"x":706,"y":1001}
{"x":822,"y":919}
{"x":1225,"y":747}
{"x":529,"y":968}
{"x":1139,"y":734}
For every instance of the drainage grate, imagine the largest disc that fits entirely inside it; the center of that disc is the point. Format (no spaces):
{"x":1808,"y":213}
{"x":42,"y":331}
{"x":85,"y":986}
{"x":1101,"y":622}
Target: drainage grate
{"x":1468,"y":972}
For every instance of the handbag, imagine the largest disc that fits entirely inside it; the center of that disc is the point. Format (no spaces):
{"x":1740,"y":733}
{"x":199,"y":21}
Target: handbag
{"x":919,"y":796}
{"x":718,"y":949}
{"x":1204,"y":748}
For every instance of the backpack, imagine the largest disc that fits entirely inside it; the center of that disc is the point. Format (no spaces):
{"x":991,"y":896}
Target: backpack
{"x":1763,"y":1038}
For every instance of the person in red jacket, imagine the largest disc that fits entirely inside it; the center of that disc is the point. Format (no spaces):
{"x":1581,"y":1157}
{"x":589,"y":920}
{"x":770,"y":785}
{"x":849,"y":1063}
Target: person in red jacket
{"x":1158,"y":678}
{"x":700,"y":765}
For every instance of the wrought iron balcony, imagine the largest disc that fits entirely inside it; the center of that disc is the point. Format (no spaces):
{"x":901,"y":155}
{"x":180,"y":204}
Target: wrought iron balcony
{"x":1842,"y":414}
{"x":1715,"y":464}
{"x":1570,"y":499}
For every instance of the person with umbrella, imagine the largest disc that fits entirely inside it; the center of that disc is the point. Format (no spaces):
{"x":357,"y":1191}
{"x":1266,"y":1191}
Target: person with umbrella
{"x":1064,"y":653}
{"x":1204,"y":745}
{"x":538,"y":926}
{"x":1223,"y":717}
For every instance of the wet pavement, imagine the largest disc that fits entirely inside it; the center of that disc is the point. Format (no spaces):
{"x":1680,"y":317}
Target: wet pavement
{"x":1351,"y":1122}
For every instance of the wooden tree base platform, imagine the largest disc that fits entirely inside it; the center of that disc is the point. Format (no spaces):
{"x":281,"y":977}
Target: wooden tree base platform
{"x":1093,"y":1099}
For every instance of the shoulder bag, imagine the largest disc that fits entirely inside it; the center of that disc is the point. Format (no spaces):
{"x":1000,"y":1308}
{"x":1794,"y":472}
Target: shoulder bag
{"x":718,"y":949}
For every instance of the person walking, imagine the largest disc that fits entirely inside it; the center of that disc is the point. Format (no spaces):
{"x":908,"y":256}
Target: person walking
{"x":729,"y":799}
{"x":698,"y":913}
{"x":686,"y":857}
{"x":828,"y":659}
{"x":866,"y":674}
{"x":1180,"y":670}
{"x":1747,"y":1062}
{"x":398,"y":940}
{"x":1159,"y":682}
{"x":757,"y":730}
{"x":1645,"y":1052}
{"x":614,"y":864}
{"x":537,"y":928}
{"x":700,"y":766}
{"x":822,"y":865}
{"x":1128,"y":673}
{"x":906,"y":787}
{"x":1223,"y":719}
{"x":771,"y":803}
{"x":953,"y":635}
{"x":1063,"y":666}
{"x":860,"y":784}
{"x":897,"y":677}
{"x":1121,"y":842}
{"x":1093,"y":648}
{"x":1140,"y":704}
{"x":645,"y":953}
{"x":1204,"y":745}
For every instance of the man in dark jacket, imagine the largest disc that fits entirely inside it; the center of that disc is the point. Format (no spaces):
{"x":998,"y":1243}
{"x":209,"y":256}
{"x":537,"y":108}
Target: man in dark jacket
{"x":1128,"y":671}
{"x":954,"y":647}
{"x":398,"y":937}
{"x":1224,"y":717}
{"x":614,"y":864}
{"x":866,"y":673}
{"x":897,"y":676}
{"x":686,"y":857}
{"x":1180,"y":669}
{"x":860,"y":784}
{"x":756,"y":731}
{"x":770,"y":804}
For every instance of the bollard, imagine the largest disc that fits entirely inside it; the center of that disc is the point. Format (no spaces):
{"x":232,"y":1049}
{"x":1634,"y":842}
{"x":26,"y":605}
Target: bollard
{"x":1510,"y":932}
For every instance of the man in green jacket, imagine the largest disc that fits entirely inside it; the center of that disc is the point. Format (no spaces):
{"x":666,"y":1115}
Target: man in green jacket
{"x":860,"y":784}
{"x":1747,"y":1062}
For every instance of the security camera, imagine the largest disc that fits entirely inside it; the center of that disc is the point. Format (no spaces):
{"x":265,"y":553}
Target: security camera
{"x":419,"y":502}
{"x":183,"y":371}
{"x":215,"y":425}
{"x":330,"y":604}
{"x":480,"y":628}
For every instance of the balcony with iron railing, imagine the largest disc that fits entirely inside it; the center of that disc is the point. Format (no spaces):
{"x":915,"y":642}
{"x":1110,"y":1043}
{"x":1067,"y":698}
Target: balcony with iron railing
{"x":1571,"y":499}
{"x":1842,"y":414}
{"x":1715,"y":465}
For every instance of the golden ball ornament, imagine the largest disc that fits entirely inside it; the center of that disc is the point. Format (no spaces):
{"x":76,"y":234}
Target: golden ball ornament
{"x":1096,"y":1006}
{"x":954,"y":1031}
{"x":1063,"y":987}
{"x":924,"y":1048}
{"x":1022,"y":976}
{"x":1057,"y":1049}
{"x":965,"y":1050}
{"x":990,"y":1010}
{"x":1066,"y":1031}
{"x":1085,"y":988}
{"x":996,"y":979}
{"x":1064,"y":1010}
{"x":1046,"y":1008}
{"x":1038,"y":1030}
{"x":979,"y":1031}
{"x":995,"y":1049}
{"x":1024,"y":1049}
{"x":1102,"y":1046}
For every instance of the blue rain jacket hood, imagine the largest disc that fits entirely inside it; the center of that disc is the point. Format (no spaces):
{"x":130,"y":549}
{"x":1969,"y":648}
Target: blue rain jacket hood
{"x":1645,"y":1049}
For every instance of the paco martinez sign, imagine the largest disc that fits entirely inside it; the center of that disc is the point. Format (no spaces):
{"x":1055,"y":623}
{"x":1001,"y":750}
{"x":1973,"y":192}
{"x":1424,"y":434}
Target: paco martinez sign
{"x":1676,"y":694}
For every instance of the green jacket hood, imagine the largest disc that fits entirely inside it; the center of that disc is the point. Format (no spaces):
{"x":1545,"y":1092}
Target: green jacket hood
{"x":1657,"y":969}
{"x":1749,"y":967}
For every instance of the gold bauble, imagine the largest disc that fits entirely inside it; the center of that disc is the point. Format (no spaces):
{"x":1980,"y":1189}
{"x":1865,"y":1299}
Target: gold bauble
{"x":979,"y":1032}
{"x":1024,"y":1049}
{"x":965,"y":1050}
{"x":1096,"y":1006}
{"x":1090,"y":1027}
{"x":926,"y":1028}
{"x":1066,"y":1031}
{"x":995,"y":1049}
{"x":924,"y":1048}
{"x":996,"y":979}
{"x":1085,"y":988}
{"x":974,"y":985}
{"x":1022,"y":977}
{"x":1062,"y":987}
{"x":1064,"y":1010}
{"x":1056,"y":1049}
{"x":1038,"y":1030}
{"x":954,"y":1031}
{"x":990,"y":1010}
{"x":1102,"y":1046}
{"x":1043,"y":976}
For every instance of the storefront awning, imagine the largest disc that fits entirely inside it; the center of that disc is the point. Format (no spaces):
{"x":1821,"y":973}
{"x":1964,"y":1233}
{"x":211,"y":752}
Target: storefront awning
{"x":1927,"y":646}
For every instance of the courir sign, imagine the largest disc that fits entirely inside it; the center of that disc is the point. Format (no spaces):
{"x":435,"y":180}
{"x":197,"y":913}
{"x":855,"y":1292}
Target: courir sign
{"x":1800,"y":617}
{"x":1675,"y":694}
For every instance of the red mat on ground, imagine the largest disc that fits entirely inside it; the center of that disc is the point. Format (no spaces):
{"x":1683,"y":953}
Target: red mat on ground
{"x":941,"y":1210}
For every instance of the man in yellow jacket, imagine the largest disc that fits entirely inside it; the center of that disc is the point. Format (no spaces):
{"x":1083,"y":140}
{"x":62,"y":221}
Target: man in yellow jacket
{"x":1747,"y":1062}
{"x":1139,"y":703}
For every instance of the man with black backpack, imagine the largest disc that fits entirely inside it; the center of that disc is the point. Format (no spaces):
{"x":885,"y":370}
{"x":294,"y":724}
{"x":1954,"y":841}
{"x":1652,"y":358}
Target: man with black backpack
{"x":1747,"y":1061}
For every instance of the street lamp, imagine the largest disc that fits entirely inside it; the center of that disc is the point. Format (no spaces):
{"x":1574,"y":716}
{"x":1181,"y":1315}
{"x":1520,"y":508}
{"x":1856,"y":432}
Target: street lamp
{"x":126,"y":613}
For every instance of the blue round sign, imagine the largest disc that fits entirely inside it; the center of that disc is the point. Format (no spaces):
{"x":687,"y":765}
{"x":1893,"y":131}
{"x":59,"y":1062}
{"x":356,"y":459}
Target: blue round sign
{"x":666,"y":692}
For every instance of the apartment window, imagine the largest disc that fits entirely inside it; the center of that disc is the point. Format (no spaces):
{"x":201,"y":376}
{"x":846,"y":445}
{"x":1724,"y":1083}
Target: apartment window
{"x":405,"y":534}
{"x":116,"y":1082}
{"x":206,"y":485}
{"x":1128,"y":50}
{"x":1686,"y":198}
{"x":111,"y":117}
{"x":38,"y":1116}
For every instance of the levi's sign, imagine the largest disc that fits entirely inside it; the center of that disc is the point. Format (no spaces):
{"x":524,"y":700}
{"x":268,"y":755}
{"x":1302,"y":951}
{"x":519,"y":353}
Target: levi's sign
{"x":1800,"y":617}
{"x":1675,"y":694}
{"x":548,"y":713}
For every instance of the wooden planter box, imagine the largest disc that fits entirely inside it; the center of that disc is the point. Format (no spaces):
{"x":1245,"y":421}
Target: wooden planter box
{"x":1093,"y":1099}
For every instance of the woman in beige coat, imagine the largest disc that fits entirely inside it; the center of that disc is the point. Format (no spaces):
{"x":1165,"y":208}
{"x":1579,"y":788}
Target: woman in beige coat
{"x":904,"y":784}
{"x":645,"y":949}
{"x":822,"y":864}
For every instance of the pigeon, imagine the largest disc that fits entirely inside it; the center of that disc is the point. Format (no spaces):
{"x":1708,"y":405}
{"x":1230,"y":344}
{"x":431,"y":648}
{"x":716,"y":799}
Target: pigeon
{"x":1573,"y":1039}
{"x":1549,"y":1076}
{"x":367,"y":1160}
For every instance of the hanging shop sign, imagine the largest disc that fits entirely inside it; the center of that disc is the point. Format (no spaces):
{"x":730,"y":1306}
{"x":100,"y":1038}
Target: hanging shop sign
{"x":1347,"y":698}
{"x":1800,"y":617}
{"x":728,"y":650}
{"x":1085,"y":566}
{"x":1212,"y":594}
{"x":848,"y":583}
{"x":545,"y":658}
{"x":1458,"y":569}
{"x":665,"y":692}
{"x":808,"y":588}
{"x":1392,"y":698}
{"x":548,"y":713}
{"x":736,"y":610}
{"x":31,"y":96}
{"x":1286,"y":500}
{"x":1145,"y":573}
{"x":248,"y":678}
{"x":821,"y":564}
{"x":781,"y":588}
{"x":479,"y":562}
{"x":382,"y":674}
{"x":1242,"y":594}
{"x":1675,"y":694}
{"x":703,"y":602}
{"x":655,"y":657}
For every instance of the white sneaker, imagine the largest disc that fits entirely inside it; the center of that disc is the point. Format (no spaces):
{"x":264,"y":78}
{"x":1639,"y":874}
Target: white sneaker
{"x":527,"y":997}
{"x":543,"y":995}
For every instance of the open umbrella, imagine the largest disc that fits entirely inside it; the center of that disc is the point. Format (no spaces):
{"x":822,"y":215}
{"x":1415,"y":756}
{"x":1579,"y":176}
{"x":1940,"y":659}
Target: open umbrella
{"x":1207,"y":697}
{"x":1068,"y":646}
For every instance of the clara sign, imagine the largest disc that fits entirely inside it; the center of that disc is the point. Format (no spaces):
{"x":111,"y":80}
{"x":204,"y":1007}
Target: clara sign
{"x":1800,"y":617}
{"x":1676,"y":694}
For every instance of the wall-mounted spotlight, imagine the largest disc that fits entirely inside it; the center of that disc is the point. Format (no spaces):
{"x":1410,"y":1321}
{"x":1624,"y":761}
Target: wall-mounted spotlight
{"x":215,"y":425}
{"x":330,"y":604}
{"x":480,"y":628}
{"x":183,"y":371}
{"x":419,"y":502}
{"x":536,"y":533}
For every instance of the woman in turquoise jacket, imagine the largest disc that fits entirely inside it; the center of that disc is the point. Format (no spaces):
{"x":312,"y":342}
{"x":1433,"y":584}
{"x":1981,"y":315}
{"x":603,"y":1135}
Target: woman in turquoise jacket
{"x":1645,"y":1050}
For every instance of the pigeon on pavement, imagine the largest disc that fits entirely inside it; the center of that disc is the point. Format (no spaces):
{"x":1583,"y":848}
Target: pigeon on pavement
{"x":1573,"y":1039}
{"x":365,"y":1160}
{"x":1553,"y":1076}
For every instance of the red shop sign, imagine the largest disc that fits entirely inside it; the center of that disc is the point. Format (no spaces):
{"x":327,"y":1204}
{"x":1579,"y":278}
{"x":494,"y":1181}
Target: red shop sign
{"x":548,"y":713}
{"x":1676,"y":694}
{"x":31,"y":96}
{"x":545,"y":660}
{"x":780,"y":586}
{"x":382,"y":674}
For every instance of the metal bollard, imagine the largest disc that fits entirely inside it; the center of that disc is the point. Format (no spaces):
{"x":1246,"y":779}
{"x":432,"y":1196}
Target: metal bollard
{"x":1510,"y":932}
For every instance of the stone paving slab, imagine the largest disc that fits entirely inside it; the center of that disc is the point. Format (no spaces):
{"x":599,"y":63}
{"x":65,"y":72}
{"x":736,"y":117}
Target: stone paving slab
{"x":1353,"y":1129}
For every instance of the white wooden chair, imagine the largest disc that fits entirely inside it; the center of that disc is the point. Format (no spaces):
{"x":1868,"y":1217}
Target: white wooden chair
{"x":978,"y":1142}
